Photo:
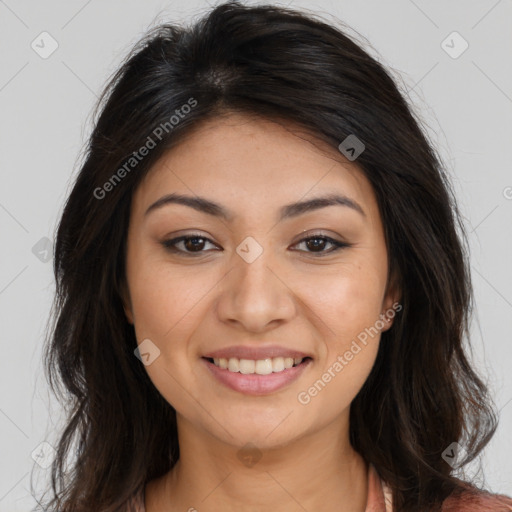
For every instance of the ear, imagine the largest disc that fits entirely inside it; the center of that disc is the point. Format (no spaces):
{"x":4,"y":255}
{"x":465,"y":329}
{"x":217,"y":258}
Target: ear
{"x":391,"y":303}
{"x":126,"y":301}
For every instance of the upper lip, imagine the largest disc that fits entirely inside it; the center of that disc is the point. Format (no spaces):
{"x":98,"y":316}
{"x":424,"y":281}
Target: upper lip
{"x":260,"y":352}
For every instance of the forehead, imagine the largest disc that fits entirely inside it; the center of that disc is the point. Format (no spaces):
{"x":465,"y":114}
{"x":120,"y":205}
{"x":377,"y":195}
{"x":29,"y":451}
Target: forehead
{"x":251,"y":162}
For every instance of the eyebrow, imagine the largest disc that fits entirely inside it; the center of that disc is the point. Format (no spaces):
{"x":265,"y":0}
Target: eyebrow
{"x":204,"y":205}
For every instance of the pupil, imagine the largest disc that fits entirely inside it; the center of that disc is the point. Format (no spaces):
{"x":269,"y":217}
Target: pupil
{"x":316,"y":244}
{"x":191,"y":243}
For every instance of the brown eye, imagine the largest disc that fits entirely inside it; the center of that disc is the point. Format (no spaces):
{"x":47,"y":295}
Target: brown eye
{"x":191,"y":244}
{"x":194,"y":244}
{"x":317,"y":244}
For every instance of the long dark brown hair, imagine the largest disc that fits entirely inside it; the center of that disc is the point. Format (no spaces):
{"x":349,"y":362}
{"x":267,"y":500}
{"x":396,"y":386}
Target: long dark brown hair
{"x":422,"y":394}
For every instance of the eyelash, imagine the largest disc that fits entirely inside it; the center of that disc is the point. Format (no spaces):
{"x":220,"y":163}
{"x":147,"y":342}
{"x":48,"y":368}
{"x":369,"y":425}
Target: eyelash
{"x":170,"y":245}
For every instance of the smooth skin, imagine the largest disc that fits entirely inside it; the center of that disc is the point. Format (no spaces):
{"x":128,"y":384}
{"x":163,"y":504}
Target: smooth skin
{"x":298,"y":294}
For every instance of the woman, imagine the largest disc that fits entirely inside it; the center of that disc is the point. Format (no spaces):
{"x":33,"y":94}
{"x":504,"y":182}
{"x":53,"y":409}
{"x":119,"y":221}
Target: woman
{"x":263,"y":298}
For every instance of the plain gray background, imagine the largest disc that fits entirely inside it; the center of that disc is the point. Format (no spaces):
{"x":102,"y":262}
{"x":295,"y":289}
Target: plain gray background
{"x":45,"y":103}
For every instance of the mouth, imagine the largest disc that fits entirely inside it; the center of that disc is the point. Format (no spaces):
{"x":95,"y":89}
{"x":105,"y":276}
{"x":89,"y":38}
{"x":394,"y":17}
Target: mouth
{"x":257,"y":366}
{"x":256,"y":376}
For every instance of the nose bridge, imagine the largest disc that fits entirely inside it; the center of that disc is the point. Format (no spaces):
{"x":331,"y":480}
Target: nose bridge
{"x":253,"y":294}
{"x":252,"y":273}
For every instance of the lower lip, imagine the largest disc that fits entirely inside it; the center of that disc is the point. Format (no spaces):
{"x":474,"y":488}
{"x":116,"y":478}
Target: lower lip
{"x":254,"y":384}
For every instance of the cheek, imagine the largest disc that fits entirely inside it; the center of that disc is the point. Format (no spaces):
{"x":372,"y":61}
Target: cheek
{"x":165,"y":307}
{"x":155,"y":307}
{"x":349,"y":301}
{"x":349,"y":304}
{"x":163,"y":299}
{"x":168,"y":305}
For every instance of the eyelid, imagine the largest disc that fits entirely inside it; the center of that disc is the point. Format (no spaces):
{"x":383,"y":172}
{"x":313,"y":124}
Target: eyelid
{"x":337,"y":244}
{"x":170,"y":244}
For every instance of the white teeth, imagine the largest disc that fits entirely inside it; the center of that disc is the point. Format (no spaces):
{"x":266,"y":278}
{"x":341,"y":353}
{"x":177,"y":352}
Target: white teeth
{"x":234,"y":365}
{"x":277,"y":364}
{"x":263,"y":366}
{"x":245,"y":366}
{"x":260,"y":366}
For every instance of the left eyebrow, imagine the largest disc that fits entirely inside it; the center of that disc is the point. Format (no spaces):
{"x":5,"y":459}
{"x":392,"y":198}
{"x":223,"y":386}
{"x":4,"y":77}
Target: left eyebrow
{"x":295,"y":209}
{"x":209,"y":207}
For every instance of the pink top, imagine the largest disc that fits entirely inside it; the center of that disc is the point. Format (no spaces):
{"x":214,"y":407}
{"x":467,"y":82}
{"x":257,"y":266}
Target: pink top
{"x":380,"y":499}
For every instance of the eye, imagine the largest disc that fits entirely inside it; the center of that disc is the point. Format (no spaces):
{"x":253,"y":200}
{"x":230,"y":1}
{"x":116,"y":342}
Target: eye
{"x":317,"y":244}
{"x":192,"y":244}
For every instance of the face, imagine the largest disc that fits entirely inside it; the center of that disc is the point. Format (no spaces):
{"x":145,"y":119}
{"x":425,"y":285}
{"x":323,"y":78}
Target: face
{"x":250,"y":282}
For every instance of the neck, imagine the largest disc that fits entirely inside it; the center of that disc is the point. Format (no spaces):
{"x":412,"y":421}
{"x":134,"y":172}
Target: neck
{"x":317,"y":472}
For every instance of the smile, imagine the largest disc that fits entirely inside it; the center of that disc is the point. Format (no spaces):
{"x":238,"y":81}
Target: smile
{"x":259,"y":366}
{"x":256,"y":377}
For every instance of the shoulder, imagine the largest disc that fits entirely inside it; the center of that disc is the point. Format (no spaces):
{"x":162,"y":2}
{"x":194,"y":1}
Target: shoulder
{"x":474,"y":500}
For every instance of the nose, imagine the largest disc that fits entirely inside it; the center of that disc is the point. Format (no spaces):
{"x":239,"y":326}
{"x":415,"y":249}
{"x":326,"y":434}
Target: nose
{"x":255,"y":296}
